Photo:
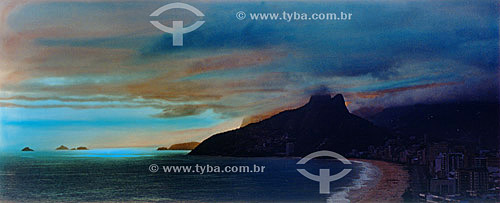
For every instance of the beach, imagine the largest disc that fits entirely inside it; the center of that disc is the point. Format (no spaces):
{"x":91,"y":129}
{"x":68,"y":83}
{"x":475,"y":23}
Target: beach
{"x":389,"y":184}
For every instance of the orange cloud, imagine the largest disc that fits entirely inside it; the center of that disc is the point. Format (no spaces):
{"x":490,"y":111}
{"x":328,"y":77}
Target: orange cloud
{"x":169,"y":87}
{"x":231,"y":61}
{"x":260,"y":117}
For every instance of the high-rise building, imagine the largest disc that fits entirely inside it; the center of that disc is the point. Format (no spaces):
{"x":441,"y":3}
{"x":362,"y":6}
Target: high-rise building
{"x":493,"y":161}
{"x":455,"y":161}
{"x":432,"y":151}
{"x":440,"y":166}
{"x":480,"y":162}
{"x":443,"y":186}
{"x":472,"y":181}
{"x":289,"y":148}
{"x":468,"y":155}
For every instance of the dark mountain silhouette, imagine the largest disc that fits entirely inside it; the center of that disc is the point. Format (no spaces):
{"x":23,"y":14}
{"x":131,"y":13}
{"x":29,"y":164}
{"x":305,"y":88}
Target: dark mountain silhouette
{"x":324,"y":123}
{"x":467,"y":122}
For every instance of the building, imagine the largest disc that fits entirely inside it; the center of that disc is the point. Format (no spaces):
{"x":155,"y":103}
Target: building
{"x":432,"y":152}
{"x":444,"y":163}
{"x":289,"y":148}
{"x":455,"y":161}
{"x":440,"y":166}
{"x":480,"y":162}
{"x":472,"y":181}
{"x":434,"y":149}
{"x":468,"y":155}
{"x":493,"y":161}
{"x":421,"y":157}
{"x":443,"y":187}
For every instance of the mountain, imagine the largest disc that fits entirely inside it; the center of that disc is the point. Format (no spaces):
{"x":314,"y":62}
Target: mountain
{"x":184,"y":146}
{"x":324,"y":123}
{"x":27,"y":149}
{"x":467,"y":122}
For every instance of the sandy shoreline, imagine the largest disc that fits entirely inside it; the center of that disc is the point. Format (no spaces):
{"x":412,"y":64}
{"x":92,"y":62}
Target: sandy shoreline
{"x":388,"y":186}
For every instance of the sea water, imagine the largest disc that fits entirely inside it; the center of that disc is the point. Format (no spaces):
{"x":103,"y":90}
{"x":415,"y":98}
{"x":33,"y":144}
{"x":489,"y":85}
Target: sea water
{"x":124,"y":175}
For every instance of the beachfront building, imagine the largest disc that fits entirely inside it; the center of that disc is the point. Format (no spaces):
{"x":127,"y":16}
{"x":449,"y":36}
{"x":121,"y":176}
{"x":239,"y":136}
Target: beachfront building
{"x":480,"y":162}
{"x":441,"y":166}
{"x":472,"y":181}
{"x":433,"y":151}
{"x":443,"y":187}
{"x":455,"y":161}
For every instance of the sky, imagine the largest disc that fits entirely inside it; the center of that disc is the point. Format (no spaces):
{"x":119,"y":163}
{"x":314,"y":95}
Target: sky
{"x":96,"y":73}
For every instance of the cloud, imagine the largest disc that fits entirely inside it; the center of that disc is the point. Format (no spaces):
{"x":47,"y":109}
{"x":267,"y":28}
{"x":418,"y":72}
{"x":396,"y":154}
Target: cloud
{"x":231,"y":61}
{"x":378,"y":93}
{"x":66,"y":99}
{"x":173,"y":111}
{"x":79,"y":106}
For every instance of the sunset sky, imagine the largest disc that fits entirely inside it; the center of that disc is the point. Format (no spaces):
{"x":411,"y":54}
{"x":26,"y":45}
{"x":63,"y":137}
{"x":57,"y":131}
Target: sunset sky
{"x":96,"y":73}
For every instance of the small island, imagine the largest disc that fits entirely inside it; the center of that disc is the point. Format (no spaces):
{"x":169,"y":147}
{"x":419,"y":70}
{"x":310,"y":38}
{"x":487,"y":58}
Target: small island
{"x":79,"y":148}
{"x":62,"y":147}
{"x":180,"y":146}
{"x":184,"y":146}
{"x":27,"y":149}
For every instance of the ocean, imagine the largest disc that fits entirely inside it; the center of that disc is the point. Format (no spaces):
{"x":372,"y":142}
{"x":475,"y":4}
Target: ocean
{"x":121,"y":175}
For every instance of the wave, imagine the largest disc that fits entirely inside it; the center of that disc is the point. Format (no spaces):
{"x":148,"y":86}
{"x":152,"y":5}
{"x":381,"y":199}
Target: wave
{"x":366,"y":175}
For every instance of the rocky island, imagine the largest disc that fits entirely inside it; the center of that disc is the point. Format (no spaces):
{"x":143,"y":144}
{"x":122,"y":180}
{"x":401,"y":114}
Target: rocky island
{"x":27,"y":149}
{"x":62,"y":147}
{"x":79,"y":148}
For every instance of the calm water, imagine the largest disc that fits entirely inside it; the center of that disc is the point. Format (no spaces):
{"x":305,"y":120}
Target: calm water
{"x":123,"y":175}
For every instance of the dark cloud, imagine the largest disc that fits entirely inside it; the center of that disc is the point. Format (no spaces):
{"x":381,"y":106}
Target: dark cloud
{"x":374,"y":42}
{"x":322,"y":89}
{"x":222,"y":58}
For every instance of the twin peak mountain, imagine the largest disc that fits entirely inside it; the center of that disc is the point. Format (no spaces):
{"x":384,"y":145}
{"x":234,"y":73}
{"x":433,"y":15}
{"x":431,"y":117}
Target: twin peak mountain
{"x":324,"y":123}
